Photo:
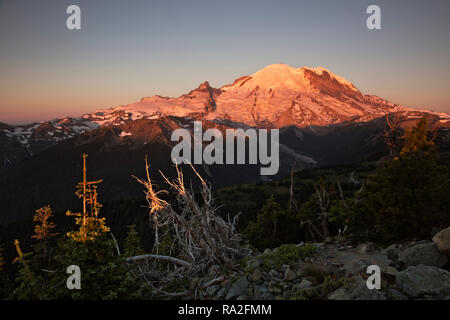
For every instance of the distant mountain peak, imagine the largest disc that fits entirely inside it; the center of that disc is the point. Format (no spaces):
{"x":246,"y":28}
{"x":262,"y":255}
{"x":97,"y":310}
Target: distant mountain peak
{"x":277,"y":95}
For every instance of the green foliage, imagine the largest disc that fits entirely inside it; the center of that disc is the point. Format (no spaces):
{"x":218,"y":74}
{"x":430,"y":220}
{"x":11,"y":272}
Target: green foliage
{"x":132,"y":243}
{"x":104,"y":275}
{"x":287,"y":254}
{"x":29,"y":284}
{"x":404,"y":199}
{"x":178,"y":285}
{"x":416,"y":141}
{"x":167,"y":245}
{"x":273,"y":226}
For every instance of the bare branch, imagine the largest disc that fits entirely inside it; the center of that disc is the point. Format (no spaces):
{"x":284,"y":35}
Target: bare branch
{"x":159,"y":257}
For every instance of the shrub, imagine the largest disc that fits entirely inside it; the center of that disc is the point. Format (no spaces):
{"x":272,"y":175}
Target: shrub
{"x":404,"y":199}
{"x":273,"y":226}
{"x":287,"y":254}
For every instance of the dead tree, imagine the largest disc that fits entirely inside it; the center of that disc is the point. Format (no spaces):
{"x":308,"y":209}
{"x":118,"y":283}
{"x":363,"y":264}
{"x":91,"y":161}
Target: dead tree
{"x":393,"y":134}
{"x":201,"y":237}
{"x":292,"y":201}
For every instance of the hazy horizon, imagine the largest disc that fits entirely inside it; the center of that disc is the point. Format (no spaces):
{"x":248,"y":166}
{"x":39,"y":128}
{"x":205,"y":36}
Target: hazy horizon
{"x":128,"y":50}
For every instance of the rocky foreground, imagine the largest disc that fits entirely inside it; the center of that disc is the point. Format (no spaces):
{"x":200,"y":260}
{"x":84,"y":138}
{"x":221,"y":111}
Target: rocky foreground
{"x":335,"y":270}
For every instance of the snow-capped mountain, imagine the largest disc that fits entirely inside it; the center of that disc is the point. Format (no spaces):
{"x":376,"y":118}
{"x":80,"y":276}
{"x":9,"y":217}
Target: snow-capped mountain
{"x":323,"y":120}
{"x":275,"y":96}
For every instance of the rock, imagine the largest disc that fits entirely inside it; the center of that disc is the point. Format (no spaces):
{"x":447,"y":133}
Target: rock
{"x":252,"y":264}
{"x":396,"y":295}
{"x":340,"y":294}
{"x":355,"y":263}
{"x":267,"y":251}
{"x":262,"y":293}
{"x":442,"y":241}
{"x":299,"y":269}
{"x":424,"y":253}
{"x":289,"y":275}
{"x":212,"y":290}
{"x":221,"y":293}
{"x":242,"y":297}
{"x":287,"y":294}
{"x":275,"y":275}
{"x":266,"y":276}
{"x":275,"y":290}
{"x":357,"y":290}
{"x":226,"y":284}
{"x":390,"y":273}
{"x":256,"y":275}
{"x":304,"y":284}
{"x":392,"y":251}
{"x":365,"y":248}
{"x":423,"y":280}
{"x":239,"y":287}
{"x":274,"y":287}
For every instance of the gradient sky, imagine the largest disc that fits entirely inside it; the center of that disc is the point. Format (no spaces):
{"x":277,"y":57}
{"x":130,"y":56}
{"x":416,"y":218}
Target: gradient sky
{"x":130,"y":49}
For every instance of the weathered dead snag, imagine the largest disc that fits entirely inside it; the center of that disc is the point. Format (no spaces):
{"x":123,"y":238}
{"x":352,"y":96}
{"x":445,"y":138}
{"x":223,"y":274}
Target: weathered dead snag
{"x":199,"y":237}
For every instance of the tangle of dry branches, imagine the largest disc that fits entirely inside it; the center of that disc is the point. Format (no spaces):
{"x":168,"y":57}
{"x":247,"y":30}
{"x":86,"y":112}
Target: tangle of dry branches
{"x":200,"y":237}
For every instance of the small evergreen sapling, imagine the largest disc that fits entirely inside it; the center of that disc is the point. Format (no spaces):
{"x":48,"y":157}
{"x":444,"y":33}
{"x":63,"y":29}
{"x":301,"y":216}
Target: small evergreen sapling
{"x":133,"y":243}
{"x":30,"y":285}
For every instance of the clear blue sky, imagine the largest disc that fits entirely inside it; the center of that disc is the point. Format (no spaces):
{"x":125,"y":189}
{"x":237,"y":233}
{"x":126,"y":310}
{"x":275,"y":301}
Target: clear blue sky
{"x":130,"y":49}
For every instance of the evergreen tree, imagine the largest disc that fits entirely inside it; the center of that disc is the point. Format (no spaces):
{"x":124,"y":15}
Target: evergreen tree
{"x":406,"y":198}
{"x":273,"y":226}
{"x":104,"y":274}
{"x":132,"y":243}
{"x":30,"y":285}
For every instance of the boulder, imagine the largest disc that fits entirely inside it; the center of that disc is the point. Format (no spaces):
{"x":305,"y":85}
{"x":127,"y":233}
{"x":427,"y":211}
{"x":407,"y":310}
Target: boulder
{"x":442,"y":241}
{"x":239,"y":287}
{"x":392,"y":251}
{"x":424,"y":253}
{"x":389,"y":272}
{"x":262,"y":293}
{"x":394,"y":294}
{"x":256,"y":275}
{"x":221,"y":293}
{"x":365,"y":248}
{"x":212,"y":290}
{"x":356,"y":290}
{"x":289,"y":275}
{"x":252,"y":264}
{"x":421,"y":280}
{"x":304,"y":284}
{"x":355,"y":263}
